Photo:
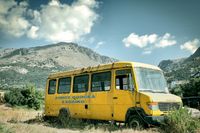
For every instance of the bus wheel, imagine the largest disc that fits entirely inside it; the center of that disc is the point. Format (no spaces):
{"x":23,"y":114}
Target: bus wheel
{"x":64,"y":117}
{"x":135,"y":122}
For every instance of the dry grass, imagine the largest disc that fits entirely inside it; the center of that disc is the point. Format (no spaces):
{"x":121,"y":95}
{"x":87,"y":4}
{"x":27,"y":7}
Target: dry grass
{"x":19,"y":115}
{"x":15,"y":120}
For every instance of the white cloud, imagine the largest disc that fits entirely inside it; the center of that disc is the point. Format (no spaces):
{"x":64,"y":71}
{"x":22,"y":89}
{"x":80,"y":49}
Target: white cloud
{"x":147,"y":52}
{"x":62,"y":22}
{"x":12,"y":20}
{"x":165,"y":41}
{"x":91,"y":40}
{"x":191,"y":46}
{"x":99,"y":44}
{"x":144,"y":40}
{"x":53,"y":22}
{"x":32,"y":33}
{"x":150,"y":42}
{"x":139,"y":41}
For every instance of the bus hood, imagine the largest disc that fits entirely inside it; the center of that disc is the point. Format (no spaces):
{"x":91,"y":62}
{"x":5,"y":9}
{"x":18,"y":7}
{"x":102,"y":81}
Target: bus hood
{"x":162,"y":97}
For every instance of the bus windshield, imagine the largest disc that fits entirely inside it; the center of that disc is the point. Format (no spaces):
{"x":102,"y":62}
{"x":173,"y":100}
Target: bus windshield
{"x":151,"y":80}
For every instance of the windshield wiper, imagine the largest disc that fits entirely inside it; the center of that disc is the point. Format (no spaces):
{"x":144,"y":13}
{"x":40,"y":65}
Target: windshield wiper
{"x":148,"y":90}
{"x":153,"y":91}
{"x":160,"y":91}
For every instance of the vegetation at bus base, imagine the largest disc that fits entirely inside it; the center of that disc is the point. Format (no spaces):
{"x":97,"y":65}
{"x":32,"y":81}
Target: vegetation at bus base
{"x":27,"y":96}
{"x":180,"y":121}
{"x":192,"y":88}
{"x":75,"y":123}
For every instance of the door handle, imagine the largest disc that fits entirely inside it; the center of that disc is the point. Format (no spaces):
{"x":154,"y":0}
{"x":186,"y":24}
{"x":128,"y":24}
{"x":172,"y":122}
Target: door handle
{"x":115,"y":97}
{"x":86,"y":106}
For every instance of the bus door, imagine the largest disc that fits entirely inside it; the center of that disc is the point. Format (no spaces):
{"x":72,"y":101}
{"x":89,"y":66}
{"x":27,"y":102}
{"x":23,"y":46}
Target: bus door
{"x":101,"y":97}
{"x":79,"y":97}
{"x":50,"y":95}
{"x":123,"y":96}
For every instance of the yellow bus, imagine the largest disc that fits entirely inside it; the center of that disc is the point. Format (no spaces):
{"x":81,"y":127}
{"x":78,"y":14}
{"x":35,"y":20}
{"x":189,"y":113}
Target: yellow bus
{"x":129,"y":92}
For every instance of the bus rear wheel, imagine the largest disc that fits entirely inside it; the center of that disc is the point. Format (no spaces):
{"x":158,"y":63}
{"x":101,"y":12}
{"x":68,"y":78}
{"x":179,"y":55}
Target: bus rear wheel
{"x":135,"y":122}
{"x":64,"y":117}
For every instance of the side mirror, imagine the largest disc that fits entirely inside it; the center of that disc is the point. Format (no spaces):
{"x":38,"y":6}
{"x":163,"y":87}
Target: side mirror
{"x":131,"y":85}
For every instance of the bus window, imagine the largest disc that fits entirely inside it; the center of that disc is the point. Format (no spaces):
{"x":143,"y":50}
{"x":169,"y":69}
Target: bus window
{"x":64,"y":85}
{"x":80,"y":83}
{"x":101,"y":81}
{"x":52,"y":86}
{"x":122,"y":79}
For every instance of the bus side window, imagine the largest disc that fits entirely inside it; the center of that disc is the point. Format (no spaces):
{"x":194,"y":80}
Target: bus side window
{"x":101,"y":81}
{"x":122,"y":79}
{"x":80,"y":83}
{"x":52,"y":86}
{"x":64,"y":85}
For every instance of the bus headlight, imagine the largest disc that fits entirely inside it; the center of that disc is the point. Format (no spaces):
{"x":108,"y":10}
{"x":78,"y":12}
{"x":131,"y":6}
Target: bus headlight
{"x":153,"y":106}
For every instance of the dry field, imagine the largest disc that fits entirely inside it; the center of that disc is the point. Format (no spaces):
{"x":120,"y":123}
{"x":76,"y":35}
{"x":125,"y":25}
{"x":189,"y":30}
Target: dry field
{"x":15,"y":120}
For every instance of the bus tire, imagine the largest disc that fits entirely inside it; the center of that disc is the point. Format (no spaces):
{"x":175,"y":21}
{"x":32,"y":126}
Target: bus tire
{"x":64,"y":117}
{"x":135,"y":122}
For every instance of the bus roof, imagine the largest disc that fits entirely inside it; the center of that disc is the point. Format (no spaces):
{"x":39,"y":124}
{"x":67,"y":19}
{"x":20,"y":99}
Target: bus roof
{"x":103,"y":67}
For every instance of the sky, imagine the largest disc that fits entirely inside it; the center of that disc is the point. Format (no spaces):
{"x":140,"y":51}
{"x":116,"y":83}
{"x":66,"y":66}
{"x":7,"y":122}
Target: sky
{"x":147,"y":31}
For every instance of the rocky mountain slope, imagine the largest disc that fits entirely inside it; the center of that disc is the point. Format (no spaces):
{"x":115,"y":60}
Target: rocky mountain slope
{"x":181,"y":69}
{"x":32,"y":65}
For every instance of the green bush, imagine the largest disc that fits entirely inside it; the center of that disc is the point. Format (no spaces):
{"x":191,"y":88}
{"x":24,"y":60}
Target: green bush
{"x":192,"y":88}
{"x":27,"y":96}
{"x":180,"y":121}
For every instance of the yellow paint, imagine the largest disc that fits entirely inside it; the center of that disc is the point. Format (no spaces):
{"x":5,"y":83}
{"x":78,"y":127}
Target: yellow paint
{"x":104,"y":105}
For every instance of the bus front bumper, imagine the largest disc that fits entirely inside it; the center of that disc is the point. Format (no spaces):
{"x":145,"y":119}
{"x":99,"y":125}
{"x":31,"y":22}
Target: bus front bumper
{"x":154,"y":120}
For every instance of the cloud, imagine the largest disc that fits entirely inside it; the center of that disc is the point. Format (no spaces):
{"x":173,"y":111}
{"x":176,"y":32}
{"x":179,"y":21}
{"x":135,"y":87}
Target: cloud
{"x":61,"y":22}
{"x":191,"y":46}
{"x":99,"y":44}
{"x":32,"y":33}
{"x":91,"y":40}
{"x":139,"y":41}
{"x":151,"y":41}
{"x":12,"y":20}
{"x":165,"y":41}
{"x":147,"y":52}
{"x":144,"y":40}
{"x":52,"y":22}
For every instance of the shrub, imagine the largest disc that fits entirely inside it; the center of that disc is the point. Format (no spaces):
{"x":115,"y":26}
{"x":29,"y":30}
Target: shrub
{"x":180,"y":121}
{"x":27,"y":96}
{"x":14,"y":97}
{"x":192,"y":88}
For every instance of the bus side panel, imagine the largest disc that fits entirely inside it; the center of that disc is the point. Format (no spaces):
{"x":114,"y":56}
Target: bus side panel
{"x":122,"y":101}
{"x":101,"y":105}
{"x":78,"y":105}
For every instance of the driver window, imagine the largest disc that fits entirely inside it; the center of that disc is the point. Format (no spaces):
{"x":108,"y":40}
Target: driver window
{"x":122,"y":79}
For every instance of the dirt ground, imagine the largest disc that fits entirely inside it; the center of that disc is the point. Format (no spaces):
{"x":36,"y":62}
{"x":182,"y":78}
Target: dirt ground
{"x":15,"y":120}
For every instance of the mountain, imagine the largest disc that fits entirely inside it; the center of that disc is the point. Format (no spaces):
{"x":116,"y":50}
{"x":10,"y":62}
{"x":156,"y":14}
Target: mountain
{"x":195,"y":55}
{"x":32,"y":65}
{"x":181,"y":69}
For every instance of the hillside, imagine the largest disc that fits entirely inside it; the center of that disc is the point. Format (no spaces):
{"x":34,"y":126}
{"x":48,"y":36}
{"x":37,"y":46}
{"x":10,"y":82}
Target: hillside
{"x":32,"y":65}
{"x":181,"y":69}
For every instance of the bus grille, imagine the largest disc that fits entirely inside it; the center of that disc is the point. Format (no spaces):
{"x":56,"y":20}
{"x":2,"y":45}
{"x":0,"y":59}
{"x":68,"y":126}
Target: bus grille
{"x":168,"y":106}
